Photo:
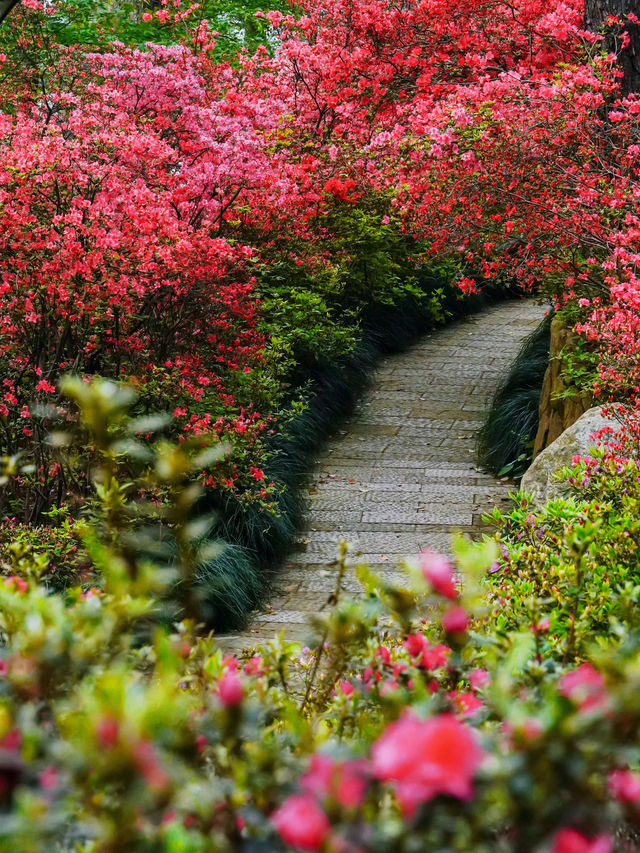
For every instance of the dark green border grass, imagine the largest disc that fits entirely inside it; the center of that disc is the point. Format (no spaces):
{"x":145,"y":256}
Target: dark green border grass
{"x":505,"y":442}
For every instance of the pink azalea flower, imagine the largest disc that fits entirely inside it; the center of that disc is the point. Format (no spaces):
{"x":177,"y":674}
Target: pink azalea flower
{"x":571,"y":841}
{"x":230,"y":689}
{"x":438,"y":571}
{"x":625,"y":786}
{"x":254,"y":666}
{"x":343,"y":781}
{"x":424,"y":758}
{"x":479,"y":678}
{"x":301,"y":823}
{"x":455,"y":620}
{"x":585,"y":686}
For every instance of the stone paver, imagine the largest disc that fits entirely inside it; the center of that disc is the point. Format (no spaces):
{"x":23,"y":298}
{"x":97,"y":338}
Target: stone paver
{"x":401,"y":475}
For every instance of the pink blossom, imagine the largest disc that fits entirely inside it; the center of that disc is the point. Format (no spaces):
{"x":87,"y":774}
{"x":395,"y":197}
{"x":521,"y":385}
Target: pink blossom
{"x":479,"y":678}
{"x":625,"y":786}
{"x":455,"y":620}
{"x":344,"y":781}
{"x":571,"y":841}
{"x":301,"y":822}
{"x":230,"y":689}
{"x":439,"y":573}
{"x":49,"y":777}
{"x":425,"y":758}
{"x":254,"y":666}
{"x":585,"y":686}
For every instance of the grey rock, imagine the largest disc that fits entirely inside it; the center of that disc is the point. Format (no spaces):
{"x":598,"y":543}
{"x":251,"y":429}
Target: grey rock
{"x":540,"y":478}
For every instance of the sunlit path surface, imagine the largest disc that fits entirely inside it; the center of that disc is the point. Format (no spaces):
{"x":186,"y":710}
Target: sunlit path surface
{"x":401,"y":474}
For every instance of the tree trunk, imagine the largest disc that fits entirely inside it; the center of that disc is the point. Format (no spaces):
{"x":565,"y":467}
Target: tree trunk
{"x":595,"y":13}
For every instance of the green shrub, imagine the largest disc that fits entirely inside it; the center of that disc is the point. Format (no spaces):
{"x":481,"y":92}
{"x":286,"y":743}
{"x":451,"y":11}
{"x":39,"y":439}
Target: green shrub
{"x":401,"y":729}
{"x":571,"y":569}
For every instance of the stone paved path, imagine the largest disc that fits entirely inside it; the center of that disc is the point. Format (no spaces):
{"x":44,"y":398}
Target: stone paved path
{"x":401,"y":473}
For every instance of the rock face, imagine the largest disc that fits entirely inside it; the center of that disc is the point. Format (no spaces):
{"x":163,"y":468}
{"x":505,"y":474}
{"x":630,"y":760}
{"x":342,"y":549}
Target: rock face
{"x":557,"y":413}
{"x":539,"y":478}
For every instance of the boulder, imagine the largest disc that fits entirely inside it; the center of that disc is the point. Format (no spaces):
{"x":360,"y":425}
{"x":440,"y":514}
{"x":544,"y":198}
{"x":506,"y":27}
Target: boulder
{"x":539,"y":479}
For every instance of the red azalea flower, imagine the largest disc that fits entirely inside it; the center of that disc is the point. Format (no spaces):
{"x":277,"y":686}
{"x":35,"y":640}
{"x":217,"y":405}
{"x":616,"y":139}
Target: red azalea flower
{"x":466,"y":704}
{"x":438,"y":571}
{"x":301,"y":822}
{"x":425,"y":758}
{"x":570,"y":841}
{"x":585,"y":686}
{"x":434,"y":657}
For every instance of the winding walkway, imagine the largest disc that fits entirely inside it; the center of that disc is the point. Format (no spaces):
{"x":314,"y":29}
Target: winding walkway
{"x":401,"y":473}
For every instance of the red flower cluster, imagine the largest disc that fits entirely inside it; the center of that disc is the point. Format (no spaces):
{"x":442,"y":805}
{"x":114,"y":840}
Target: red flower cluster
{"x":425,"y":758}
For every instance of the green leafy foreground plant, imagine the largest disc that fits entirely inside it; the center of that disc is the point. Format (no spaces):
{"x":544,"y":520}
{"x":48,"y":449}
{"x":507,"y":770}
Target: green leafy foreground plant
{"x":401,"y":729}
{"x":570,"y":569}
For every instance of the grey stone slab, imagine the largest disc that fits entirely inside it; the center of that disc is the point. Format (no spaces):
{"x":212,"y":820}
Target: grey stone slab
{"x":365,"y":487}
{"x":401,"y":517}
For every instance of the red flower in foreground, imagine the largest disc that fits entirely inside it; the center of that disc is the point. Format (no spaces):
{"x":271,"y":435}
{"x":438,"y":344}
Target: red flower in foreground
{"x":437,"y":570}
{"x":344,"y":781}
{"x":426,"y":758}
{"x":585,"y":686}
{"x":230,"y":689}
{"x":570,"y":841}
{"x":625,"y":786}
{"x":455,"y":620}
{"x":301,"y":823}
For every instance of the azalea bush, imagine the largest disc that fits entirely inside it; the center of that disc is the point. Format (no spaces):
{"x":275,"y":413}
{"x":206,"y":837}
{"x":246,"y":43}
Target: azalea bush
{"x":569,"y":569}
{"x":160,"y":226}
{"x":405,"y":724}
{"x":212,"y":228}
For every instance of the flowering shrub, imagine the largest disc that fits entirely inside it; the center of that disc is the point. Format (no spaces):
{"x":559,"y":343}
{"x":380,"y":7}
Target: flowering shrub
{"x":208,"y":230}
{"x":159,"y":226}
{"x":399,"y":726}
{"x":569,"y":570}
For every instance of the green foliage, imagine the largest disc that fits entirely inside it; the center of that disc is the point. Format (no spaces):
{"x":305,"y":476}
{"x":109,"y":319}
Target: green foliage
{"x":505,"y":441}
{"x":570,"y":569}
{"x":117,"y":738}
{"x":94,"y":22}
{"x":580,"y":367}
{"x":53,"y":548}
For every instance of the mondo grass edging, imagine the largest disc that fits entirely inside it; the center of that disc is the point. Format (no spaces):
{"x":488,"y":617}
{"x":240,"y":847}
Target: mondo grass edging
{"x":505,"y":442}
{"x":253,"y":541}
